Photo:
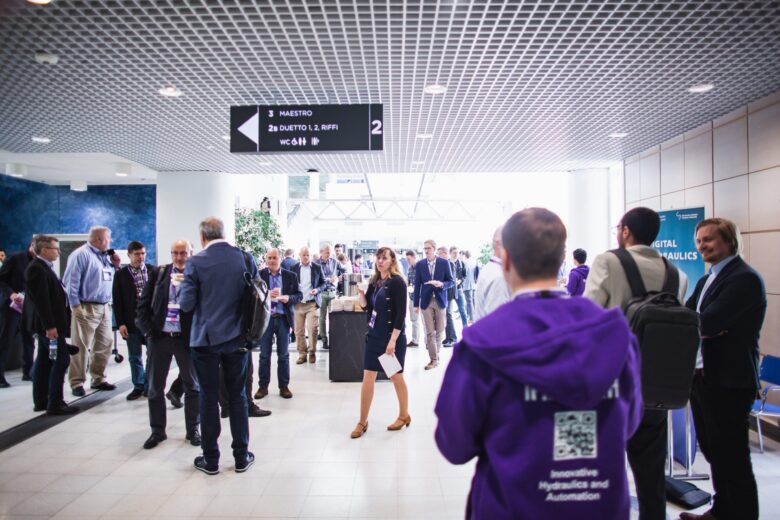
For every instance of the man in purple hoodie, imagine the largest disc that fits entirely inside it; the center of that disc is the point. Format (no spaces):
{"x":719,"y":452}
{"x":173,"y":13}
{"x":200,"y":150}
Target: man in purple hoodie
{"x":545,"y":391}
{"x":578,"y":275}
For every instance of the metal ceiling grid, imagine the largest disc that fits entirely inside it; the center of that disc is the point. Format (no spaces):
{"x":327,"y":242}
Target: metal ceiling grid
{"x":531,"y":85}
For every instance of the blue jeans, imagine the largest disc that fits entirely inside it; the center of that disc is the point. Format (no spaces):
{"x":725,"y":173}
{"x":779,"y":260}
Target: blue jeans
{"x":135,"y":351}
{"x":206,"y":361}
{"x":461,"y":300}
{"x":280,"y":328}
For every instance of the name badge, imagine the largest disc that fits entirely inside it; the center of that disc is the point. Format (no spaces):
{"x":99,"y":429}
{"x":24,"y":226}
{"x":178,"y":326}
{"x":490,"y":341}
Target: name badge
{"x":108,"y":275}
{"x":373,"y":320}
{"x":173,"y":313}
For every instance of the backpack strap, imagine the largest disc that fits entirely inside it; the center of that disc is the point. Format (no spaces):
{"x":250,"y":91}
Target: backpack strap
{"x":632,"y":272}
{"x":671,"y":279}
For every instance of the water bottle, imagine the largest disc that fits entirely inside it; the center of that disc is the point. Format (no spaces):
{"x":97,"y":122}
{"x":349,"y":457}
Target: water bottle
{"x":53,"y":349}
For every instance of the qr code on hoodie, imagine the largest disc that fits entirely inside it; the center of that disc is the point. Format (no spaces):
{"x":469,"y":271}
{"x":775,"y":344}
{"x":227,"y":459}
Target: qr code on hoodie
{"x":575,"y":435}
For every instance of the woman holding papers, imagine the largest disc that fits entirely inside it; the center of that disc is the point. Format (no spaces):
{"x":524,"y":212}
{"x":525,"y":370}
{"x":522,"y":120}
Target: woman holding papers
{"x":385,"y":303}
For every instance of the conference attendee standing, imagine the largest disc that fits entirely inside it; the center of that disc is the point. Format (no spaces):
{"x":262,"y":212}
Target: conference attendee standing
{"x":450,"y":336}
{"x":469,"y":284}
{"x":385,"y":304}
{"x":129,"y":283}
{"x":492,"y":290}
{"x":167,"y":329}
{"x":414,"y":317}
{"x":607,"y":285}
{"x":89,"y":279}
{"x":433,"y":277}
{"x":332,"y":271}
{"x":459,"y":270}
{"x":212,"y":290}
{"x":545,"y":392}
{"x":307,"y":312}
{"x":289,"y":261}
{"x":284,"y":293}
{"x":731,"y":301}
{"x":12,"y":292}
{"x":46,"y":312}
{"x":577,"y":276}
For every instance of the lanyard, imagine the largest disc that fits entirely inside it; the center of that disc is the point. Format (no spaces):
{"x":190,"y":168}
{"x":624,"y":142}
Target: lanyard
{"x":379,"y":286}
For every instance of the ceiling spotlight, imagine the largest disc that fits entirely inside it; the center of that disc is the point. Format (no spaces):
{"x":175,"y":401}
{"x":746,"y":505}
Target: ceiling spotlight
{"x":226,"y":137}
{"x":699,"y":89}
{"x":424,"y":136}
{"x":618,"y":135}
{"x":39,"y":2}
{"x":170,"y":91}
{"x":122,"y":169}
{"x":45,"y":58}
{"x":211,"y":147}
{"x":41,"y":139}
{"x":435,"y":89}
{"x":78,"y":185}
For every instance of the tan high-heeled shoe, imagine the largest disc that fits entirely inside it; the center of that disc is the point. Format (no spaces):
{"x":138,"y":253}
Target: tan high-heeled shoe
{"x":400,"y":423}
{"x":359,"y":430}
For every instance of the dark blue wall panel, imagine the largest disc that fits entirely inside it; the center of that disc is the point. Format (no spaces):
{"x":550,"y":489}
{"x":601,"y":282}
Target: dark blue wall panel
{"x":31,"y":207}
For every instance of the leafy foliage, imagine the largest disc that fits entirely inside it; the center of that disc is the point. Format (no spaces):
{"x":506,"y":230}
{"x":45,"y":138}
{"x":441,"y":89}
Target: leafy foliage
{"x":256,"y":231}
{"x":485,"y":253}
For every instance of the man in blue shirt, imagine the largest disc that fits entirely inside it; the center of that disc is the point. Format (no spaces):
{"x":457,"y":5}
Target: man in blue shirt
{"x":284,"y":292}
{"x":88,"y":280}
{"x":333,"y":271}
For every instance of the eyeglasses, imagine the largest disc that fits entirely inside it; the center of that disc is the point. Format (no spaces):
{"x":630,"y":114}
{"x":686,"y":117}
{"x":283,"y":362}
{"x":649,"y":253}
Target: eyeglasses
{"x":178,"y":253}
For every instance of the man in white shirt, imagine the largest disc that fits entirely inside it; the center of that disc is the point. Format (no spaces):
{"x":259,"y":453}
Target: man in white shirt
{"x":311,"y":282}
{"x":492,"y":290}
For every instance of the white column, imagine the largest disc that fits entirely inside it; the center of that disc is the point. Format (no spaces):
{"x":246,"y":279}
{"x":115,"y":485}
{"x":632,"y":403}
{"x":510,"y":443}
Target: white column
{"x":184,"y":199}
{"x":589,"y":225}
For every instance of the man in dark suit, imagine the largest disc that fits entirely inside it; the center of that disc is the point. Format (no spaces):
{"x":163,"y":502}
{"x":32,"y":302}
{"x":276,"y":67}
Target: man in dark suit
{"x":731,"y":301}
{"x":12,"y":290}
{"x":311,"y":282}
{"x":129,"y":283}
{"x":46,"y":312}
{"x":284,"y":294}
{"x":433,"y":276}
{"x":212,"y":289}
{"x":167,"y":329}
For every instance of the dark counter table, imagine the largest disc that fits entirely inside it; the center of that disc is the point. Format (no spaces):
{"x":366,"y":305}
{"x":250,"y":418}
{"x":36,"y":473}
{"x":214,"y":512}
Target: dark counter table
{"x":347,"y":339}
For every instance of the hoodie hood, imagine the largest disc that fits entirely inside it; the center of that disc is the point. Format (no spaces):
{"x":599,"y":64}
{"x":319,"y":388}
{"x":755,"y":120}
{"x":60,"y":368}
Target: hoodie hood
{"x":566,"y":348}
{"x":583,"y":270}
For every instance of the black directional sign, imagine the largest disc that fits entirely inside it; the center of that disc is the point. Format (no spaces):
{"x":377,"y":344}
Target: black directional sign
{"x":306,"y":128}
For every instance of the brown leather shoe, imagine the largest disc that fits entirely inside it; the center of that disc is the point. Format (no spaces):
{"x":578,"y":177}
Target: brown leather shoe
{"x":285,"y":392}
{"x":693,"y":516}
{"x":400,"y":423}
{"x":359,"y":430}
{"x":261,"y":392}
{"x":312,"y":358}
{"x":432,"y":364}
{"x":301,"y":359}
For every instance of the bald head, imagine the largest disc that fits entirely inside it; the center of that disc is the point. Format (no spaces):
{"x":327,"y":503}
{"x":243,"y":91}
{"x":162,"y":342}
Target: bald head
{"x":181,"y":250}
{"x":304,"y":255}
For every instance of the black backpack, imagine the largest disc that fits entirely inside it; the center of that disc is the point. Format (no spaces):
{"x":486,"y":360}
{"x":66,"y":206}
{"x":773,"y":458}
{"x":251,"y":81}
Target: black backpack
{"x":255,"y":304}
{"x":668,"y":335}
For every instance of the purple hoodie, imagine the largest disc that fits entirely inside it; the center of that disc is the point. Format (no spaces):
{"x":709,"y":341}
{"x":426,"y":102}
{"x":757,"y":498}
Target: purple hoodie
{"x":545,"y":392}
{"x":577,"y":277}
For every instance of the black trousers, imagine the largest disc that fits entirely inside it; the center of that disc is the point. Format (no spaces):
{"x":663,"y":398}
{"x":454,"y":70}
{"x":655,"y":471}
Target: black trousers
{"x":48,"y":376}
{"x":646,"y":451}
{"x":721,"y":417}
{"x":9,"y":328}
{"x":224,"y":400}
{"x":450,"y":336}
{"x":161,"y":350}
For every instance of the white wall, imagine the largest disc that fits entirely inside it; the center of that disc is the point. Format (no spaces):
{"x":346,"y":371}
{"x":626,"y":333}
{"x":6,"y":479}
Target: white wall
{"x":731,"y":166}
{"x":184,"y":199}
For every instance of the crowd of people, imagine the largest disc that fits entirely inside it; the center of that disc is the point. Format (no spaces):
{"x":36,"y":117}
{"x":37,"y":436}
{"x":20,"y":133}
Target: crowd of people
{"x":544,"y":387}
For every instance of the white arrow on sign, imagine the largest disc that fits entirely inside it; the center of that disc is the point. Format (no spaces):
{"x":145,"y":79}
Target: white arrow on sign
{"x":251,"y":128}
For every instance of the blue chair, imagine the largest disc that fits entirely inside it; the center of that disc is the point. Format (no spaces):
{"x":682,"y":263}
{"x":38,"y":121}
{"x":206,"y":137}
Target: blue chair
{"x":770,"y":373}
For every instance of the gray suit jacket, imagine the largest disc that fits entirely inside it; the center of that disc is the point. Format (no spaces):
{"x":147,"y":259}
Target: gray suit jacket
{"x":607,"y":284}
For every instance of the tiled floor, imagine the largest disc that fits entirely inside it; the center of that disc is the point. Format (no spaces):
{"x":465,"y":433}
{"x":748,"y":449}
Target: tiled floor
{"x":92,"y":466}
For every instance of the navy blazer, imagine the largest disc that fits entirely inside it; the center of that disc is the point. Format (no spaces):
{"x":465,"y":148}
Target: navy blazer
{"x":289,"y":288}
{"x":731,"y":316}
{"x":45,"y":305}
{"x":212,"y":289}
{"x":423,"y":293}
{"x":317,"y":280}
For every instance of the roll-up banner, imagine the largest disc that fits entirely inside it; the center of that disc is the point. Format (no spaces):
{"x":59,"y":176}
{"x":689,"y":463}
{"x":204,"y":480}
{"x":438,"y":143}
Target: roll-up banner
{"x":676,"y":241}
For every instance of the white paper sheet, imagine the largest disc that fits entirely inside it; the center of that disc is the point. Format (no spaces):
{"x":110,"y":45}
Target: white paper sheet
{"x":390,"y":365}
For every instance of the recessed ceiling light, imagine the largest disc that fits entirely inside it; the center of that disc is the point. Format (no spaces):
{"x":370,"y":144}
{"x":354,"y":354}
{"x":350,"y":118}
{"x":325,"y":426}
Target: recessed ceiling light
{"x":618,"y":135}
{"x":699,"y":89}
{"x":41,"y":139}
{"x":435,"y":89}
{"x":39,"y":2}
{"x":46,"y":58}
{"x":17,"y":175}
{"x":264,"y":164}
{"x":16,"y":169}
{"x":226,"y":137}
{"x":211,"y":147}
{"x":78,"y":185}
{"x":170,"y":91}
{"x":424,"y":136}
{"x":122,"y":169}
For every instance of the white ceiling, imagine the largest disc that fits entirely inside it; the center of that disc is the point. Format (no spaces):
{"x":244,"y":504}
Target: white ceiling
{"x":61,"y":168}
{"x":531,"y":85}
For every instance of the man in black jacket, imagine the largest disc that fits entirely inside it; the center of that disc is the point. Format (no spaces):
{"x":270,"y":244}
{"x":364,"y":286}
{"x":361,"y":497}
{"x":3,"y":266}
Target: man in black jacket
{"x":731,"y":301}
{"x":284,"y":293}
{"x":12,"y":289}
{"x":46,"y":312}
{"x":167,"y":329}
{"x":129,"y":282}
